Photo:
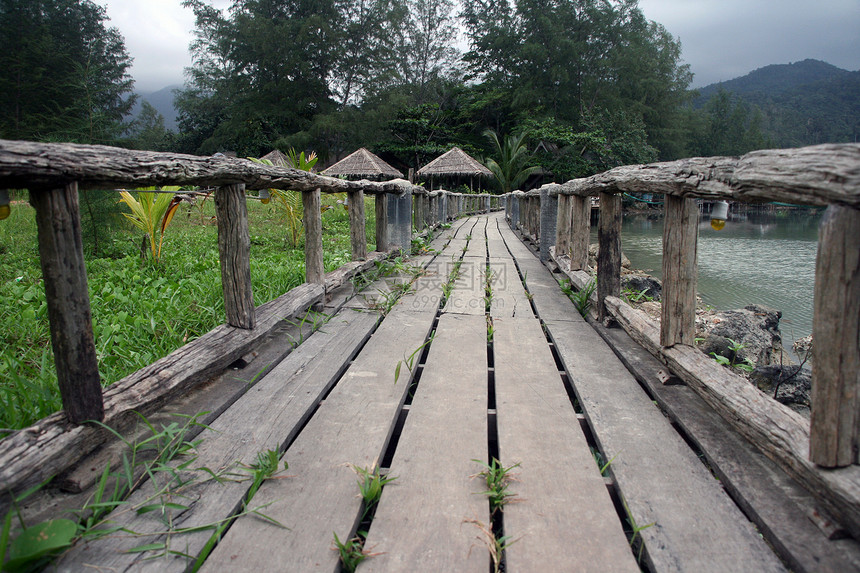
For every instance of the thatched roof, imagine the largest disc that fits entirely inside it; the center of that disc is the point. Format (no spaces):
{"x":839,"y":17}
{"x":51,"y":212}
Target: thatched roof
{"x":454,"y":162}
{"x":277,"y":158}
{"x":362,"y":163}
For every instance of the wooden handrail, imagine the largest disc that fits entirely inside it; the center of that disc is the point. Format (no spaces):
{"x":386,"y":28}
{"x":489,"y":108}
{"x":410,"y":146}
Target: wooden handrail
{"x":818,"y":175}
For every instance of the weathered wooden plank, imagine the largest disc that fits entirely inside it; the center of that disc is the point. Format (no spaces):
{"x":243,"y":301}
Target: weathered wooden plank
{"x":265,"y":418}
{"x":61,"y":255}
{"x":357,"y":226}
{"x":508,"y":294}
{"x":562,"y":501}
{"x":680,"y":234}
{"x":31,"y":165}
{"x":420,"y":522}
{"x":696,"y":526}
{"x":312,"y":219}
{"x":815,"y":175}
{"x":609,"y":253}
{"x":478,"y":243}
{"x":44,"y":449}
{"x":234,"y":248}
{"x":777,"y":504}
{"x":352,"y":426}
{"x":835,"y":427}
{"x":468,"y":294}
{"x":780,"y":433}
{"x":580,"y":231}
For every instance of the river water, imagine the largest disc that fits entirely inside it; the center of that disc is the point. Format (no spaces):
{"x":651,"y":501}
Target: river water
{"x":763,"y":258}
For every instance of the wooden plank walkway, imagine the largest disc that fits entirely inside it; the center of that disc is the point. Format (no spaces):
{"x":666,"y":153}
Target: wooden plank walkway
{"x":430,"y":391}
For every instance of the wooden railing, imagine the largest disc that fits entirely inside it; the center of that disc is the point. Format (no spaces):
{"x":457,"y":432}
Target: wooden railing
{"x":53,"y":174}
{"x":557,"y":218}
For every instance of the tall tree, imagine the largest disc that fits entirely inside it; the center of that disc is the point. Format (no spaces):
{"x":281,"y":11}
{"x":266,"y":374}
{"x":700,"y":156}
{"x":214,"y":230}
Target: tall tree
{"x":63,"y":73}
{"x":427,"y":46}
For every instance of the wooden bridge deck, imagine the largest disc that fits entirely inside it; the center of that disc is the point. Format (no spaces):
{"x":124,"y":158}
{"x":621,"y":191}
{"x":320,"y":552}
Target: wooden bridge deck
{"x":539,"y":389}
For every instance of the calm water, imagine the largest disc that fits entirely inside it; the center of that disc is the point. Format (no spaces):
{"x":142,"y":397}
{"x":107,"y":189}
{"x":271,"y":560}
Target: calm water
{"x":764,"y":259}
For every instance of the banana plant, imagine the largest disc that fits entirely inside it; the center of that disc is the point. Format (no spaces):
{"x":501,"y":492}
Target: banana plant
{"x":151,"y":212}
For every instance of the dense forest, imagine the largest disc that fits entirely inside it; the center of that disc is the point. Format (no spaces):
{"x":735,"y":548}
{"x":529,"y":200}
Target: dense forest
{"x":580,"y":85}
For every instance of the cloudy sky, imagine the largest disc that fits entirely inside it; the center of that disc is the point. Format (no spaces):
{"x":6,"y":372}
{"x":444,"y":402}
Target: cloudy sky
{"x":721,"y":39}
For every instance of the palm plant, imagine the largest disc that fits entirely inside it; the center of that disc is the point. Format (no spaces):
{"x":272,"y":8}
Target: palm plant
{"x":151,"y":211}
{"x":290,"y":202}
{"x":512,"y":168}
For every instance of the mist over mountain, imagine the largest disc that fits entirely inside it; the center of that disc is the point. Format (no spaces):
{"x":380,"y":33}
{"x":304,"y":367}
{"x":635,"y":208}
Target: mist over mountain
{"x":162,"y":101}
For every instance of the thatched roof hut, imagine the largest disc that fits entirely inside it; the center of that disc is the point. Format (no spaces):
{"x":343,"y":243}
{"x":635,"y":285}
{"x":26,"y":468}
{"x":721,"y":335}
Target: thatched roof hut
{"x":363,"y":163}
{"x":454,"y":164}
{"x":277,"y":158}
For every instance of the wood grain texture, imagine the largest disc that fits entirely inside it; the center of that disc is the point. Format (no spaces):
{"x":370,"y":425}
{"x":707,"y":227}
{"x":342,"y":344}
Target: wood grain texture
{"x":776,"y":503}
{"x":696,"y":526}
{"x":780,"y":433}
{"x":580,"y":231}
{"x":562,"y":225}
{"x":381,"y":202}
{"x":420,"y":522}
{"x":33,"y":454}
{"x":234,"y":248}
{"x":357,"y":225}
{"x":312,"y":219}
{"x":561,"y":499}
{"x":352,"y":426}
{"x":61,"y":255}
{"x":815,"y":175}
{"x":609,"y":253}
{"x":267,"y":417}
{"x":31,"y":165}
{"x":835,"y":427}
{"x":680,"y":234}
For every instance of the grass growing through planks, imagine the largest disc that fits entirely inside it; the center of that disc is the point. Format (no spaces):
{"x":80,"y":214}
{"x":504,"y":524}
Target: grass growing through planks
{"x":141,"y":311}
{"x":495,"y":545}
{"x":370,"y":484}
{"x":410,"y":360}
{"x":498,"y":479}
{"x":635,"y":538}
{"x":351,"y":552}
{"x":581,"y":298}
{"x":164,"y":455}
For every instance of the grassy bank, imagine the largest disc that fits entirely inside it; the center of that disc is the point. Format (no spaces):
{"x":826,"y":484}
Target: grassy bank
{"x":142,"y":310}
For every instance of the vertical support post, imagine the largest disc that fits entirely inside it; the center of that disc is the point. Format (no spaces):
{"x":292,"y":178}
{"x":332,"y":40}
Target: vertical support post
{"x":381,"y":200}
{"x":314,"y":270}
{"x":400,"y":220}
{"x":562,"y":227}
{"x":680,"y":230}
{"x":234,"y":248}
{"x":534,"y":210}
{"x":834,"y":437}
{"x":443,"y":207}
{"x":488,"y":206}
{"x":357,"y":225}
{"x":580,"y":232}
{"x":548,"y":217}
{"x":61,"y":254}
{"x":609,"y":255}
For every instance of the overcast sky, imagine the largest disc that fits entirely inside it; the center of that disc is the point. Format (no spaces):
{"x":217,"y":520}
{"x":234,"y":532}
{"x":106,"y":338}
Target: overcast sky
{"x":721,"y":39}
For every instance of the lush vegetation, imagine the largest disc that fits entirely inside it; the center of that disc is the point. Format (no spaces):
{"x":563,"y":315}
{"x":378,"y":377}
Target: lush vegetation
{"x":142,"y":309}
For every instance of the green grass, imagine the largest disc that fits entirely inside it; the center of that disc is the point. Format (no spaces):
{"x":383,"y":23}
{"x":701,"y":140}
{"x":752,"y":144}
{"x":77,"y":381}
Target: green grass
{"x":141,"y":311}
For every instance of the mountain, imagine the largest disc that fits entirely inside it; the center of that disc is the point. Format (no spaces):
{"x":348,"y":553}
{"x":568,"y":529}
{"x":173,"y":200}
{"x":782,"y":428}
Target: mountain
{"x":162,"y":101}
{"x":802,"y":103}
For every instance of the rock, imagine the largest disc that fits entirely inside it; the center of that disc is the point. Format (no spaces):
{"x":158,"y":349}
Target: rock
{"x":637,"y":283}
{"x":792,"y":384}
{"x":754,"y":330}
{"x":803,"y":347}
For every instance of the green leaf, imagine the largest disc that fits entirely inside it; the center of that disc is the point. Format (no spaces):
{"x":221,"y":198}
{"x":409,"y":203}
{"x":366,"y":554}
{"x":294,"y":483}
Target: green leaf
{"x":38,"y":541}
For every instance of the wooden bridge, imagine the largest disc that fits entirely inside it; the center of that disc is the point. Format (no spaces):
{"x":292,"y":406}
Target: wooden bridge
{"x":463,"y":354}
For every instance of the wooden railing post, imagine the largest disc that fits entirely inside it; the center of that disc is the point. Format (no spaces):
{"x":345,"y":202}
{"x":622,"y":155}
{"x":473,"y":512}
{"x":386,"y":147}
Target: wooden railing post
{"x":835,"y":425}
{"x":61,"y":255}
{"x":548,"y":218}
{"x":314,"y":269}
{"x":562,"y":227}
{"x":381,"y":200}
{"x":580,"y":232}
{"x":234,"y":248}
{"x":680,"y":230}
{"x":442,"y":201}
{"x":357,"y":225}
{"x":609,"y":254}
{"x":400,"y":220}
